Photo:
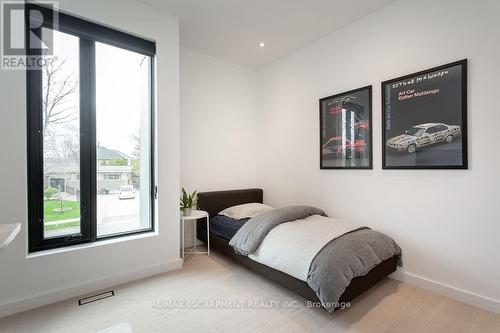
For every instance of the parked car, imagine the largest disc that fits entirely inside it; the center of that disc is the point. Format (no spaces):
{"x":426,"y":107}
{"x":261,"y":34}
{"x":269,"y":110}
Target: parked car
{"x":335,"y":146}
{"x":104,"y":191}
{"x":126,"y":192}
{"x":423,"y":135}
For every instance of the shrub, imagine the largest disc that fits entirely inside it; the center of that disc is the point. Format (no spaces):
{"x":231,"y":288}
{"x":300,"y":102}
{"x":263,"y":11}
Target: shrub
{"x":50,"y":192}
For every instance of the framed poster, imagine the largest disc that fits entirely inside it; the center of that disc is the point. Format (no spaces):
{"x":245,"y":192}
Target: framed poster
{"x":424,"y":119}
{"x":345,"y":126}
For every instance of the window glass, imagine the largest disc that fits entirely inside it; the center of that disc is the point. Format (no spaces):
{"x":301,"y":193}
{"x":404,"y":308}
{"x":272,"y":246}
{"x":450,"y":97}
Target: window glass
{"x":432,"y":130}
{"x":123,"y":140}
{"x":415,"y":131}
{"x":61,"y":137}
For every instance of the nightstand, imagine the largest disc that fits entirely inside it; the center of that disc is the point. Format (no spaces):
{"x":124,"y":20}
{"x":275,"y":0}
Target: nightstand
{"x":195,"y":215}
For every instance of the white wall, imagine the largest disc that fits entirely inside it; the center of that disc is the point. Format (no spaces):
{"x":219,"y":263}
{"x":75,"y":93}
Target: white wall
{"x":217,"y":123}
{"x":447,"y":222}
{"x":27,"y":282}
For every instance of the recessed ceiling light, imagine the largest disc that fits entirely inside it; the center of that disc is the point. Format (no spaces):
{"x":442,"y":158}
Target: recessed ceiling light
{"x":261,"y":44}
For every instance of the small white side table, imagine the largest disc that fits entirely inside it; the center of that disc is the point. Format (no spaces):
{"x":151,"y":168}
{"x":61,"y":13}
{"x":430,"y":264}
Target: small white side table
{"x":195,"y":215}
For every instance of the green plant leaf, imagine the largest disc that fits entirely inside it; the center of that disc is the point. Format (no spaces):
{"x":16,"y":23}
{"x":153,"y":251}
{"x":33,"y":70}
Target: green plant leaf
{"x":187,"y":200}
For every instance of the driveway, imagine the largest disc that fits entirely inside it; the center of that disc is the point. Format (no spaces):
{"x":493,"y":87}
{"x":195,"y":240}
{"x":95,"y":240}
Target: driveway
{"x":113,"y":216}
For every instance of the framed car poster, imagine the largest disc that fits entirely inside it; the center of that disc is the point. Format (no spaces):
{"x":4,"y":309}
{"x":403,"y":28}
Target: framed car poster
{"x":346,"y":130}
{"x":424,"y":119}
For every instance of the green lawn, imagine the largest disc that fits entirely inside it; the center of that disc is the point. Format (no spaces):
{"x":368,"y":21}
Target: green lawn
{"x":61,"y":226}
{"x":51,"y":215}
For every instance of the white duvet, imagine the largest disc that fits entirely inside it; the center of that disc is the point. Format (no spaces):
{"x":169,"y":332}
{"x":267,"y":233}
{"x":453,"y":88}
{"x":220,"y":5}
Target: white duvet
{"x":292,"y":246}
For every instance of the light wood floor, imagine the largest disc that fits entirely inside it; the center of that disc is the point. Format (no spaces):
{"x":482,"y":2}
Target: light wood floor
{"x":390,"y":306}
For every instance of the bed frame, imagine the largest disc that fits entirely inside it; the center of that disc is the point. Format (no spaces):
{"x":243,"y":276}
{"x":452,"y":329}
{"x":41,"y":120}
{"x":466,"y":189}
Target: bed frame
{"x":214,"y":202}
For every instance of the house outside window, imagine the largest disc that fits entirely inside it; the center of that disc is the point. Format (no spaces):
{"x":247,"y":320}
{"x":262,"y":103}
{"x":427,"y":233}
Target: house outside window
{"x":112,"y":176}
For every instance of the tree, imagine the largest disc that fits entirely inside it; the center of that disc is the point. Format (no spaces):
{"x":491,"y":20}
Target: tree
{"x":60,"y":143}
{"x":62,"y":154}
{"x":57,"y":88}
{"x":115,"y":162}
{"x":136,"y":161}
{"x":136,"y":139}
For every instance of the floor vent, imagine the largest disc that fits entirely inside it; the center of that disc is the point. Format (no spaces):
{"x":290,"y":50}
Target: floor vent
{"x":96,"y":298}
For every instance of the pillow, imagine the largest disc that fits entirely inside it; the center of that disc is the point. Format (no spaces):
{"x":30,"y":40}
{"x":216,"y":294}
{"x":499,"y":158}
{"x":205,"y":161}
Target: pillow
{"x":246,"y":210}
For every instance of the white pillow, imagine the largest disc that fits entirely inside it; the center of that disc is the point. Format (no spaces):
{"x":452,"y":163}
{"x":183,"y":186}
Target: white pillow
{"x":246,"y":210}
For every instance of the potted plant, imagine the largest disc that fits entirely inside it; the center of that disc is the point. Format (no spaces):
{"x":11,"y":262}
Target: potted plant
{"x":187,"y":202}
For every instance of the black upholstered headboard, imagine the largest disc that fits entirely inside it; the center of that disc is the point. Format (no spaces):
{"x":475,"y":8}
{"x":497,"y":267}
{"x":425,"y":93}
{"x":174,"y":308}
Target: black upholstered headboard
{"x":214,"y":202}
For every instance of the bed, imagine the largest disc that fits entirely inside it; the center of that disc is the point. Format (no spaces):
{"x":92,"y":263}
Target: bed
{"x":214,"y":202}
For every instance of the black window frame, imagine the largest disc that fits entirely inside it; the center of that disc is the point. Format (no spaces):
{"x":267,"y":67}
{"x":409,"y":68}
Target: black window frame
{"x":89,"y":33}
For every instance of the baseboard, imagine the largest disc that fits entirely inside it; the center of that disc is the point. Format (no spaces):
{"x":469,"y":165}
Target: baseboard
{"x":465,"y":296}
{"x":86,"y":288}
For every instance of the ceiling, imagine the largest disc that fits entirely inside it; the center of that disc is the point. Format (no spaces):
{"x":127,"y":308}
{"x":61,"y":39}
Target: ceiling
{"x":232,"y":29}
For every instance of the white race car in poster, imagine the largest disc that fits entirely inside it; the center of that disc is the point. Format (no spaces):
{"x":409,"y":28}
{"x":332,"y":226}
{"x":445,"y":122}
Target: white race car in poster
{"x":423,"y":135}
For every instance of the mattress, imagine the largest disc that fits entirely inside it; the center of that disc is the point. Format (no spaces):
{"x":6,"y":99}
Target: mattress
{"x":225,"y":227}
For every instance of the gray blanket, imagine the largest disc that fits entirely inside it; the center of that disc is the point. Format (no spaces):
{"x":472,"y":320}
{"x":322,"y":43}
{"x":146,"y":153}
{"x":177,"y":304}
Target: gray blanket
{"x":352,"y":255}
{"x":345,"y":258}
{"x":251,"y":234}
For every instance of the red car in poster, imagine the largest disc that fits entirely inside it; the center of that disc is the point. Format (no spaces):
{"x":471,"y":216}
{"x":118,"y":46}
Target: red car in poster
{"x":335,"y":146}
{"x":362,"y":124}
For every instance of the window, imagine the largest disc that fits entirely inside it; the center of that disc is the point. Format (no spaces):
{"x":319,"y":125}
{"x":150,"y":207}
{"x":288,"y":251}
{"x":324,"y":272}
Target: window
{"x":415,"y":131}
{"x":432,"y":130}
{"x":90,"y":133}
{"x":112,"y":176}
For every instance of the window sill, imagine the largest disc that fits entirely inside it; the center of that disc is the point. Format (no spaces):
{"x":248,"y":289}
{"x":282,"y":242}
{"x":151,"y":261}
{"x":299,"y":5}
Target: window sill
{"x":91,"y":245}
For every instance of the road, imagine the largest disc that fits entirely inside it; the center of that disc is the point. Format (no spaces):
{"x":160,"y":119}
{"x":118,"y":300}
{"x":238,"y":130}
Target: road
{"x":439,"y":154}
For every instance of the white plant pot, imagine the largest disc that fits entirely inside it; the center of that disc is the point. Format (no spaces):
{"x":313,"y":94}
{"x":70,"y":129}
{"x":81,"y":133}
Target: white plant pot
{"x":186,"y":211}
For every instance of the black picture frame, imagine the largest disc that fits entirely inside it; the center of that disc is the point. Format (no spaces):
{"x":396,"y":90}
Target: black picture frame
{"x":361,"y":151}
{"x":440,"y":103}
